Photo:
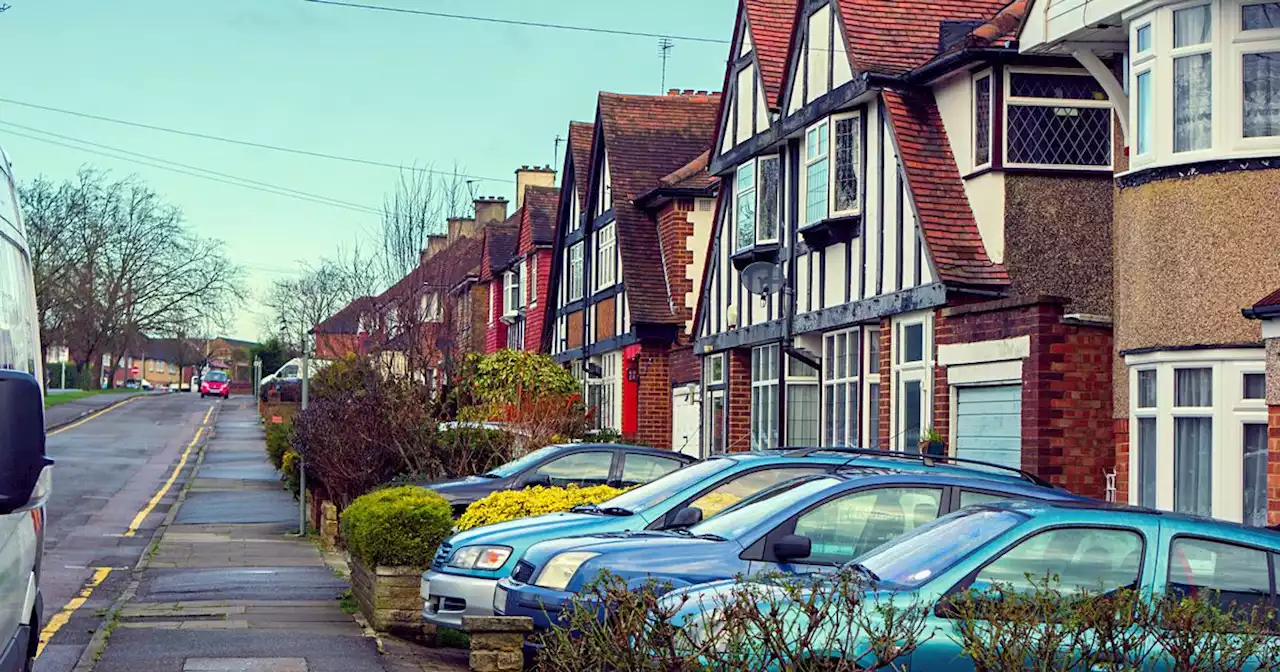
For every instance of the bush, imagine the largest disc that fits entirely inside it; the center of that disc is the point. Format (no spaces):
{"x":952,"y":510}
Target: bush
{"x":279,"y":436}
{"x":512,"y":504}
{"x":396,"y":526}
{"x":289,"y":473}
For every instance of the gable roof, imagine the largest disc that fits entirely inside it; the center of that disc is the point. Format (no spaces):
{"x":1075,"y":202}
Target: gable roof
{"x":892,"y":37}
{"x":499,"y":246}
{"x":538,"y":215}
{"x":445,"y":270}
{"x":1267,"y":308}
{"x":581,"y":135}
{"x":770,"y":23}
{"x":942,"y":208}
{"x":347,"y":320}
{"x":646,"y":138}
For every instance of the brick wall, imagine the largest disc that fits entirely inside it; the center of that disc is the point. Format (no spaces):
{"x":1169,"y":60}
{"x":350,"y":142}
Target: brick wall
{"x":334,"y":346}
{"x":1121,"y":431}
{"x":535,"y":316}
{"x":886,"y":382}
{"x":653,"y":422}
{"x":1273,"y":466}
{"x":739,"y":399}
{"x":674,"y":232}
{"x":1068,"y":433}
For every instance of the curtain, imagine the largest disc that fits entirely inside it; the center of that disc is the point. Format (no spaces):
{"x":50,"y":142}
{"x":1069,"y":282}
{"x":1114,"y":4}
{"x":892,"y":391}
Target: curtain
{"x":1147,"y":462}
{"x":1192,"y":102}
{"x":1191,"y":26}
{"x":1193,"y":387}
{"x":1255,"y":475}
{"x":1192,"y":466}
{"x":802,"y":414}
{"x":1262,"y":94}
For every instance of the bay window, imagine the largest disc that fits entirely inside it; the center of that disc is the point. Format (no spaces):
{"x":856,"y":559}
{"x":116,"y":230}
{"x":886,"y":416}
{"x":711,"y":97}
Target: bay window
{"x":1192,"y":78}
{"x":606,"y":259}
{"x":840,"y":388}
{"x":575,"y":271}
{"x":833,"y":168}
{"x":764,"y":397}
{"x":757,"y":190}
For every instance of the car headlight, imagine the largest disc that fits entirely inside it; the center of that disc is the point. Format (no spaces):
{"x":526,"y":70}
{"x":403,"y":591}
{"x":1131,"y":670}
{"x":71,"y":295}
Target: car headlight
{"x":480,"y":557}
{"x":560,"y":570}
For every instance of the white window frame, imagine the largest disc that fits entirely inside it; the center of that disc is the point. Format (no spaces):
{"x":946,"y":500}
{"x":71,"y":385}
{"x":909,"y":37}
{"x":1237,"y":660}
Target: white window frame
{"x":575,"y":280}
{"x":989,"y":75}
{"x":430,"y":308}
{"x":1021,"y":101}
{"x":511,"y":289}
{"x":903,"y":372}
{"x":1230,"y":412}
{"x":764,"y":381}
{"x":606,"y":256}
{"x":801,"y":375}
{"x":817,"y":132}
{"x":827,"y":126}
{"x":753,"y":192}
{"x":715,"y":369}
{"x":531,"y":280}
{"x":848,"y":380}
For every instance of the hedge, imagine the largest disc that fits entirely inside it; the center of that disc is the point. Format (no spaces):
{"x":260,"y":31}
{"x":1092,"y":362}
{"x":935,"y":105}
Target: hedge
{"x":279,"y":436}
{"x":396,"y":526}
{"x":512,"y":504}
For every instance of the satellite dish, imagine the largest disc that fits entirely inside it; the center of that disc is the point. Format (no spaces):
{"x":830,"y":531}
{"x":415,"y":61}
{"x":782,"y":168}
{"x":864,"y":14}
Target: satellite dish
{"x":762,"y":278}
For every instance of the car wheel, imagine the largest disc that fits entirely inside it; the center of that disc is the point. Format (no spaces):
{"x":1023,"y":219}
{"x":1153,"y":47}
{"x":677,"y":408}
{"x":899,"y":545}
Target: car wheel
{"x":202,"y":395}
{"x":226,"y":396}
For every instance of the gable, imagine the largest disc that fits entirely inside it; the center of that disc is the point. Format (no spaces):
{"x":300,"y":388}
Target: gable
{"x":819,"y":60}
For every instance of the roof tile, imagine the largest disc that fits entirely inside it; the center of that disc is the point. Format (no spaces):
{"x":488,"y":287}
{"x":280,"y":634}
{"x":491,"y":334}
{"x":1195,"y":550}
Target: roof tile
{"x":896,"y":36}
{"x":771,"y":22}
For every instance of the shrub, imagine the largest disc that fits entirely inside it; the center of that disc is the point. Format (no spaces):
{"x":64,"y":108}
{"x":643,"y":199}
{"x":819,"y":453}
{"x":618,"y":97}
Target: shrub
{"x":289,"y":473}
{"x":279,"y":436}
{"x":512,"y":504}
{"x":396,"y":526}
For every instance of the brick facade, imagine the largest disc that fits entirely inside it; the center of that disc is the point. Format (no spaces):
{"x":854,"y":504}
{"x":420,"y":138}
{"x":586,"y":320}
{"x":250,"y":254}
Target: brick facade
{"x":1121,"y":430}
{"x":536,"y":312}
{"x":738,"y":365}
{"x":886,"y":383}
{"x":653,"y":423}
{"x":674,"y":232}
{"x":495,"y":337}
{"x":1273,"y":465}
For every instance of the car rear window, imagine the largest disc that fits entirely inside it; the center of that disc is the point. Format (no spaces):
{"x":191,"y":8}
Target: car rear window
{"x":216,"y":377}
{"x":1236,"y":577}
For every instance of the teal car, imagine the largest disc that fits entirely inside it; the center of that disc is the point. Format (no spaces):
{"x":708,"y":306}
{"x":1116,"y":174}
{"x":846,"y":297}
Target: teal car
{"x":464,"y":575}
{"x":1090,"y":546}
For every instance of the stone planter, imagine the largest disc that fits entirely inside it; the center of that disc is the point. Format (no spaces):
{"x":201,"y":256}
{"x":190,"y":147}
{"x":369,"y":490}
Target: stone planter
{"x":497,"y":642}
{"x":389,"y":598}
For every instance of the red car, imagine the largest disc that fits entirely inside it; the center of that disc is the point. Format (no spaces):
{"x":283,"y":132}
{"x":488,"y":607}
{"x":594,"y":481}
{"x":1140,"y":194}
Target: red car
{"x":216,"y":383}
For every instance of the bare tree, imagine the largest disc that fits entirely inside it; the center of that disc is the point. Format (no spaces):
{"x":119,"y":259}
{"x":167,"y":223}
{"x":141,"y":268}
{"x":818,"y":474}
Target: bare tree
{"x":419,"y":206}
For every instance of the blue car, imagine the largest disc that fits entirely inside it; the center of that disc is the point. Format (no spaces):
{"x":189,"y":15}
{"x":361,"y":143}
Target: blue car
{"x":1088,"y":545}
{"x":465,"y":572}
{"x":809,"y":524}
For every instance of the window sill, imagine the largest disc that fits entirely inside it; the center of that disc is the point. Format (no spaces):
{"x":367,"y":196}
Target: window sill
{"x":832,"y":230}
{"x":760,"y":252}
{"x":511,"y":318}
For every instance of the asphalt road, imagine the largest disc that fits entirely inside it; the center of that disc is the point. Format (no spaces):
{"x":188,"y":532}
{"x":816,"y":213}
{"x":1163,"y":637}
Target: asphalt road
{"x":107,"y":471}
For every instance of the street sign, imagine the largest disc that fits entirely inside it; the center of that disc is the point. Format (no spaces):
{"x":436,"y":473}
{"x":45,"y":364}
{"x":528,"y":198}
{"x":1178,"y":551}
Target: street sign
{"x":762,"y":278}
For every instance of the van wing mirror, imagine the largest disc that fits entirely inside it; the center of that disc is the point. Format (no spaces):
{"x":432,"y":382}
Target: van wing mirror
{"x":24,"y":479}
{"x":686,"y":517}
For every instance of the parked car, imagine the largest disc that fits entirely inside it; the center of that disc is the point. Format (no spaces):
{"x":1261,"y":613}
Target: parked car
{"x":466,"y":569}
{"x":25,"y":469}
{"x":1088,"y":545}
{"x":807,"y":524}
{"x":217,"y":384}
{"x":583,"y":464}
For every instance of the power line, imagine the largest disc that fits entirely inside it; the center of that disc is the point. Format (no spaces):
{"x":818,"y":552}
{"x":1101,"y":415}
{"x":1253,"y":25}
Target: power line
{"x":527,"y":24}
{"x":249,"y":182}
{"x":247,"y":143}
{"x":267,"y":189}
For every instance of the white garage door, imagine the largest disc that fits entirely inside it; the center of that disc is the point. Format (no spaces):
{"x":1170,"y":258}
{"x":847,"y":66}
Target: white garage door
{"x":989,"y":424}
{"x":685,"y":417}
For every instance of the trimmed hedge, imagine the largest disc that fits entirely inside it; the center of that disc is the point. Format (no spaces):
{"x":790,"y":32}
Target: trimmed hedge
{"x":279,"y":436}
{"x":512,"y":504}
{"x":396,"y":526}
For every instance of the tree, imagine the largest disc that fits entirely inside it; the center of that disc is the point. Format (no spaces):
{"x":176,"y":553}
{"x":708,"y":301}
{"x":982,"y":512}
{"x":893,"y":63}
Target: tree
{"x":273,"y":354}
{"x":419,"y":206}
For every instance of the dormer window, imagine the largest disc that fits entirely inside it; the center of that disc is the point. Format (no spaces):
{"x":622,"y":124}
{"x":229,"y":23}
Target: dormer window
{"x":429,"y":307}
{"x":756,"y":196}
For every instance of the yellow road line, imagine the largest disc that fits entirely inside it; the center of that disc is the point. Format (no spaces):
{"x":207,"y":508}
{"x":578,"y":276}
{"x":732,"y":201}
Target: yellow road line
{"x":206,"y":416}
{"x":81,"y":421}
{"x":62,"y":617}
{"x":146,"y":510}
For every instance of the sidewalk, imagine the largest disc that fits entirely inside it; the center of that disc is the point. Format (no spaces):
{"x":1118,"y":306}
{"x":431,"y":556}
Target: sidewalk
{"x":228,"y":588}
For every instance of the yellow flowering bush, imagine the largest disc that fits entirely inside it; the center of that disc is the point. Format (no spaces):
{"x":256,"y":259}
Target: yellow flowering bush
{"x":507,"y":505}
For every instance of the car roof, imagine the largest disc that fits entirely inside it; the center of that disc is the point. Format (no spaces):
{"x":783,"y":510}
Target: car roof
{"x":644,"y":450}
{"x":859,"y":475}
{"x":1087,"y":510}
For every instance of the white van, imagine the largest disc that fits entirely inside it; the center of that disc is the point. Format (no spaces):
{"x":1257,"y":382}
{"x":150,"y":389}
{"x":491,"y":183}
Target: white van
{"x":25,"y":473}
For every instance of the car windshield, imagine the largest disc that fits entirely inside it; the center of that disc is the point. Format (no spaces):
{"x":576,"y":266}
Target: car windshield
{"x":657,"y":491}
{"x":520,"y":463}
{"x":734,"y":521}
{"x":216,"y":377}
{"x":927,"y":551}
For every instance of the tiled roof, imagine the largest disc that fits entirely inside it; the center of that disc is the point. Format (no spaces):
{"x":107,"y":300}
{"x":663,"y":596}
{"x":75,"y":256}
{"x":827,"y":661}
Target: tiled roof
{"x":692,"y":175}
{"x":347,"y":320}
{"x":444,"y":270}
{"x":771,"y":22}
{"x":1270,"y":300}
{"x":895,"y":36}
{"x":581,"y":135}
{"x":646,"y":138}
{"x":539,"y":213}
{"x":1002,"y":30}
{"x":942,"y":207}
{"x":499,"y":246}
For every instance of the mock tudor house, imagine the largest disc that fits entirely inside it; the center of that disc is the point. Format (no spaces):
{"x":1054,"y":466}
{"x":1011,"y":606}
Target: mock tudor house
{"x":914,"y":239}
{"x":1195,"y":242}
{"x":499,"y":245}
{"x":636,"y":203}
{"x":518,"y":304}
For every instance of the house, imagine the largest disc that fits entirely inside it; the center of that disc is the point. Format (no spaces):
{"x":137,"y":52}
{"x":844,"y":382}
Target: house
{"x":635,"y":203}
{"x":517,"y":298}
{"x":1195,"y":242}
{"x":913,"y":241}
{"x":499,"y":247}
{"x":347,"y":331}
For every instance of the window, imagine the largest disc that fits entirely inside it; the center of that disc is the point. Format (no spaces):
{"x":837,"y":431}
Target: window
{"x":1145,"y":114}
{"x":606,"y":261}
{"x":1234,"y":576}
{"x":575,"y":271}
{"x":844,"y":528}
{"x":840,"y":389}
{"x":871,"y":437}
{"x":1056,"y":118}
{"x":640,"y":469}
{"x":1255,"y":474}
{"x":430,"y":307}
{"x":1193,"y":443}
{"x":731,"y":492}
{"x":603,"y":392}
{"x":590,"y":468}
{"x":715,"y":423}
{"x":833,"y":190}
{"x":845,"y":187}
{"x":1261,"y":72}
{"x":715,"y":369}
{"x":912,"y":382}
{"x":1142,"y":40}
{"x":1255,"y":386}
{"x":757,"y":188}
{"x":982,"y":120}
{"x":816,"y":173}
{"x":1260,"y":16}
{"x":974,"y":498}
{"x":803,"y":407}
{"x":764,"y":397}
{"x":531,"y":279}
{"x":515,"y":335}
{"x":1192,"y":79}
{"x":1094,"y":559}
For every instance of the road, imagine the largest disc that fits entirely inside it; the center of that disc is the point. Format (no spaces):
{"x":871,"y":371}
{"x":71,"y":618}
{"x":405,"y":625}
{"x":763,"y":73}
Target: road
{"x":101,"y":515}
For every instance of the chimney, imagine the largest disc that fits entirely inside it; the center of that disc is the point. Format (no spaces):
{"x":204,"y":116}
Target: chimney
{"x":459,"y":227}
{"x":489,"y":209}
{"x":532,"y":176}
{"x":435,"y":243}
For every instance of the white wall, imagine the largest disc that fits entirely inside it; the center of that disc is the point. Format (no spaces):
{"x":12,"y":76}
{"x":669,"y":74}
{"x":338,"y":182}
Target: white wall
{"x":985,"y":192}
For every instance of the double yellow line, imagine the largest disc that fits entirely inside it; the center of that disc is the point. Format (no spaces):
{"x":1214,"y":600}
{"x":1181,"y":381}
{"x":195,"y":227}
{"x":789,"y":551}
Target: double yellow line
{"x":164,"y":489}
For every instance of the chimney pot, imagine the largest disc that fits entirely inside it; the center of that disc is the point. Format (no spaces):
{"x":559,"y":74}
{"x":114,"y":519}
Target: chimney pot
{"x":673,"y":92}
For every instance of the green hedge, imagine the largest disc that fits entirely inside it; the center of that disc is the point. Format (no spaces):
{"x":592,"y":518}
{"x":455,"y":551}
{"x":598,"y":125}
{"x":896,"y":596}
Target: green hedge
{"x":396,"y":526}
{"x":279,"y":436}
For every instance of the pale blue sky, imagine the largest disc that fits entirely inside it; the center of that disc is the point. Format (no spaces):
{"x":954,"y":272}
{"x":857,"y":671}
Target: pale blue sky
{"x":376,"y":85}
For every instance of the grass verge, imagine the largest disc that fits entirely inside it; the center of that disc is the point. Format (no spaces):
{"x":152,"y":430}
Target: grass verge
{"x":72,"y":395}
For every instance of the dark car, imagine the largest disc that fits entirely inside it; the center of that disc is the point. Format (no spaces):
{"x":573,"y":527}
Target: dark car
{"x":583,"y":464}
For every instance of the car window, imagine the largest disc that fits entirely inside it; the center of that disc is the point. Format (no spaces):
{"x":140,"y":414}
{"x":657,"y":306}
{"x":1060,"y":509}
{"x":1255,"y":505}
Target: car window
{"x":737,"y":520}
{"x":1083,"y":558}
{"x":216,"y":377}
{"x":735,"y":490}
{"x":849,"y":526}
{"x":922,"y":554}
{"x":639,"y":468}
{"x":521,"y":463}
{"x":1233,"y":576}
{"x":19,"y":349}
{"x":972,"y":497}
{"x":589,"y":468}
{"x":663,"y":488}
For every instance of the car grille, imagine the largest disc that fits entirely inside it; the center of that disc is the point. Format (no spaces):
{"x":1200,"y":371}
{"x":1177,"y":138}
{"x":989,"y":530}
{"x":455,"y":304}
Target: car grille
{"x":442,"y":555}
{"x":523,"y":573}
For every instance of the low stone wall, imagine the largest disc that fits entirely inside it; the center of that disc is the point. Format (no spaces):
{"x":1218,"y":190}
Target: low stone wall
{"x":328,"y":525}
{"x":389,"y":598}
{"x":497,"y":642}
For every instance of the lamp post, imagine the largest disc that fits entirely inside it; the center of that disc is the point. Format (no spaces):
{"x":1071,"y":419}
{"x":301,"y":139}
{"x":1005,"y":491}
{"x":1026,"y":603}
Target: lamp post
{"x":302,"y":460}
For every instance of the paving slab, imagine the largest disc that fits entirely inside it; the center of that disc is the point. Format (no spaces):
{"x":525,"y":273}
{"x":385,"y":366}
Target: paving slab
{"x":244,"y":470}
{"x":134,"y":649}
{"x":238,"y":507}
{"x":257,"y":583}
{"x":245,"y":665}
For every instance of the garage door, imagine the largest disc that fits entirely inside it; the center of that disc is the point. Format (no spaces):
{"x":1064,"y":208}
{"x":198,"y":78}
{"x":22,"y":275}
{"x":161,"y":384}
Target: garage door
{"x":989,"y":424}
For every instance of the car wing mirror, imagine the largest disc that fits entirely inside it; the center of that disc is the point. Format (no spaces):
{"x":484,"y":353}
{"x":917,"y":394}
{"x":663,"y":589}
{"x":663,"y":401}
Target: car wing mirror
{"x":536,"y":480}
{"x":792,"y":547}
{"x":686,"y":517}
{"x":24,"y":477}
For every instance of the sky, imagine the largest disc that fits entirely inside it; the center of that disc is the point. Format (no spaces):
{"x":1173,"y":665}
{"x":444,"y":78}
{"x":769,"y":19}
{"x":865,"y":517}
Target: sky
{"x":386,"y":87}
